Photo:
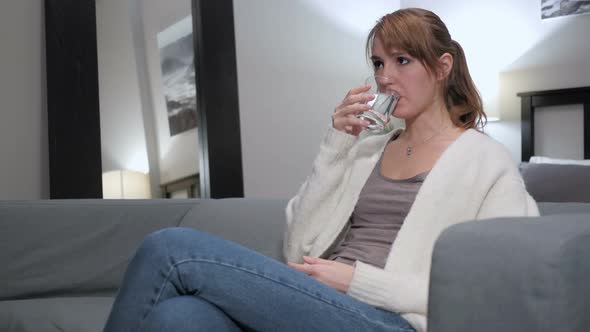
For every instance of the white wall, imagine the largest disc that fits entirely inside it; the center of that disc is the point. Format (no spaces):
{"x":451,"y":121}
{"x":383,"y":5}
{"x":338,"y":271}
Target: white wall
{"x":510,"y":49}
{"x":559,"y":59}
{"x":24,"y":169}
{"x":296,"y":60}
{"x":123,"y":138}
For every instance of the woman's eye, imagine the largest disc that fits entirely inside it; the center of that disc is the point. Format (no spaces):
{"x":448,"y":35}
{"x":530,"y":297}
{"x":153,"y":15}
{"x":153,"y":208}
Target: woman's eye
{"x":403,"y":60}
{"x":377,"y":64}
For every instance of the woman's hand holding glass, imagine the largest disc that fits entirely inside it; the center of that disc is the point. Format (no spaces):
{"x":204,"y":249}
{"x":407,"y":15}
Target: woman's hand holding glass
{"x":345,"y":115}
{"x":371,"y":104}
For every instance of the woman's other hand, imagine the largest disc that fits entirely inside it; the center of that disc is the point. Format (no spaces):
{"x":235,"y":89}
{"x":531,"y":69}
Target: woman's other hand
{"x":334,"y":274}
{"x":344,"y":117}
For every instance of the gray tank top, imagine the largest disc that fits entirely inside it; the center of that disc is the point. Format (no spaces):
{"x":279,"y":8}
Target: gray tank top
{"x":382,"y":206}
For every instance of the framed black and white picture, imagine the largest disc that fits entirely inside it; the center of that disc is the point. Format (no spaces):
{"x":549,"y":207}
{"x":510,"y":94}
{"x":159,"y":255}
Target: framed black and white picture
{"x":175,"y":45}
{"x":557,"y":8}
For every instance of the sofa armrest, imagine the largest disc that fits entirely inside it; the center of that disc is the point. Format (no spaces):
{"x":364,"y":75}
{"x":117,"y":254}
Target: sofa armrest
{"x":512,"y":274}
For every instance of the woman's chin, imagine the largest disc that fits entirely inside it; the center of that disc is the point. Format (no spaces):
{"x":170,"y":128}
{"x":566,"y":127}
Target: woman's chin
{"x":401,"y":115}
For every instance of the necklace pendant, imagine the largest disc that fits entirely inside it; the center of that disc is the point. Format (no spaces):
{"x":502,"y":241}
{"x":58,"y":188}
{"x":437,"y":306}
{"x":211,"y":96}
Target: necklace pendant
{"x":408,"y":151}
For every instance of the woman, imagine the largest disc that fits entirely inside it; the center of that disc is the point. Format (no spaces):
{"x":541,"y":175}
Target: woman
{"x":352,"y":266}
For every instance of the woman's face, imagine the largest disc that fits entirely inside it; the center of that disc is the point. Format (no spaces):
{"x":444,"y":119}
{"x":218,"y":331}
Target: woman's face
{"x":409,"y":78}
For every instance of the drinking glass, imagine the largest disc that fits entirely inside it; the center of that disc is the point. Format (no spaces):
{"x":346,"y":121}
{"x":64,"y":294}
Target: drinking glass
{"x":382,"y":106}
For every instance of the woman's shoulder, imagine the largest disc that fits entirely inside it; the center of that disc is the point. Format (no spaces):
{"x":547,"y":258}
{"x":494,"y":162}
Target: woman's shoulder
{"x":483,"y":147}
{"x":481,"y":139}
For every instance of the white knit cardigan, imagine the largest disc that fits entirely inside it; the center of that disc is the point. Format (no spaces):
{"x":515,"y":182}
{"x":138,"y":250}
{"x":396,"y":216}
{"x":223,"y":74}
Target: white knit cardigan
{"x":475,"y":178}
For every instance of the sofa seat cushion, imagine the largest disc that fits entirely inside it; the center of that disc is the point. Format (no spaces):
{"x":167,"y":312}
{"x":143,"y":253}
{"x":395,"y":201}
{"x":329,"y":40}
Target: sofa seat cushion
{"x":65,"y":314}
{"x":553,"y":208}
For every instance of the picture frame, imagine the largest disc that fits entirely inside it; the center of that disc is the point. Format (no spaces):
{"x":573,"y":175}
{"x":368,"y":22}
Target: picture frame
{"x":177,"y":59}
{"x":560,"y":8}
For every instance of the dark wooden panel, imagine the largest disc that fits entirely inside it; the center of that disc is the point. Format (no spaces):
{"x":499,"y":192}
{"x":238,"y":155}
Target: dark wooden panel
{"x":219,"y":136}
{"x":587,"y":130}
{"x":527,"y":127}
{"x":576,"y":91}
{"x":72,"y":99}
{"x":558,"y":99}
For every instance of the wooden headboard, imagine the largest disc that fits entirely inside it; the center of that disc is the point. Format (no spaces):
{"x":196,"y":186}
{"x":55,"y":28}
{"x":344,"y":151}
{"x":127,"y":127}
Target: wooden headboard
{"x":533,"y":99}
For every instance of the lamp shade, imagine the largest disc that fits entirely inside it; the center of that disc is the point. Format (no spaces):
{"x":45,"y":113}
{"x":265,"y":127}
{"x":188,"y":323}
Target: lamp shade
{"x":120,"y":184}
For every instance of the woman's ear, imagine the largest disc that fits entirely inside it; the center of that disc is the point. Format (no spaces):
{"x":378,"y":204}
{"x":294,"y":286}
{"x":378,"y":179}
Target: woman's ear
{"x":445,"y":65}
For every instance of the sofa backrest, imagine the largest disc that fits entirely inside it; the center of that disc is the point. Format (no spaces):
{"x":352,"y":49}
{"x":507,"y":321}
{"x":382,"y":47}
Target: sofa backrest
{"x":254,"y":223}
{"x":82,"y":247}
{"x":70,"y":247}
{"x":553,"y":208}
{"x":557,"y":182}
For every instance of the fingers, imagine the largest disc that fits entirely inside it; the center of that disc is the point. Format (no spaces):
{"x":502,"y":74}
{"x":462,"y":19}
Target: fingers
{"x":358,"y":89}
{"x":305,"y":268}
{"x":352,"y":109}
{"x":313,"y":260}
{"x":355,"y":102}
{"x":348,"y":123}
{"x":358,"y":98}
{"x":308,"y":265}
{"x":310,"y":260}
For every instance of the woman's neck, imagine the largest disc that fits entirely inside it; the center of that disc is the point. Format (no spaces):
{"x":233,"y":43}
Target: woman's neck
{"x":429,"y":122}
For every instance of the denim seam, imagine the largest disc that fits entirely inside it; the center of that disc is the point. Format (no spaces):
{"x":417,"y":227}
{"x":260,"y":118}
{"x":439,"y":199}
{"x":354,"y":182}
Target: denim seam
{"x":314,"y":296}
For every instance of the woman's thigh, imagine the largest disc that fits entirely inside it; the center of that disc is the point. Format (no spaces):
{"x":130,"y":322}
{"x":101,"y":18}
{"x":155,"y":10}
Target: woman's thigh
{"x":256,"y":291}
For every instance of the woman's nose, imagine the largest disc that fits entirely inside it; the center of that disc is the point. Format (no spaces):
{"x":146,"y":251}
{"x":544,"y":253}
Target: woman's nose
{"x":386,"y":83}
{"x":390,"y":73}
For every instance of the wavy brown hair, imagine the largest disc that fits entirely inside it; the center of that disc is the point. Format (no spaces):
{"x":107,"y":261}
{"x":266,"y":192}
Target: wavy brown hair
{"x":424,"y":36}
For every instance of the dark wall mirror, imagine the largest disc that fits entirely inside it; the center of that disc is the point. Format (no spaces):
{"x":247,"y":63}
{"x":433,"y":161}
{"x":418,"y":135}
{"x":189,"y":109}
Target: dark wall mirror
{"x":142,"y":99}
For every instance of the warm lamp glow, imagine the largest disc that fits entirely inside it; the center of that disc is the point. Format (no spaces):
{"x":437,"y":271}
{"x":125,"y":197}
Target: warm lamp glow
{"x":125,"y":184}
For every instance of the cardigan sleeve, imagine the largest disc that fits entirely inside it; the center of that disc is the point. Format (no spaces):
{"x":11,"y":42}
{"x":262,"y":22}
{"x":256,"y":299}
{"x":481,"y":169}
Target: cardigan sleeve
{"x":508,"y":197}
{"x":315,"y":198}
{"x":393,"y":291}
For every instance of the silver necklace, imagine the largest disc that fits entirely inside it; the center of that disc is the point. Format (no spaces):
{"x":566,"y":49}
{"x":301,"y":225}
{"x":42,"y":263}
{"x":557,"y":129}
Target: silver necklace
{"x":410,"y":148}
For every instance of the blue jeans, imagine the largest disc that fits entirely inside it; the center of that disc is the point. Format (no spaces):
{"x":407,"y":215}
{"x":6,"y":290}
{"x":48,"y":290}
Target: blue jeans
{"x":184,"y":280}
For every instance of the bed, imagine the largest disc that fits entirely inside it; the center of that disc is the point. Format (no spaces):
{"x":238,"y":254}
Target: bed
{"x":556,"y":168}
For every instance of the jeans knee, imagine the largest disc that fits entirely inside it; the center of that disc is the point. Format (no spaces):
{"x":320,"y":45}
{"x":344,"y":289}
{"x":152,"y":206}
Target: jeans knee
{"x":173,"y":238}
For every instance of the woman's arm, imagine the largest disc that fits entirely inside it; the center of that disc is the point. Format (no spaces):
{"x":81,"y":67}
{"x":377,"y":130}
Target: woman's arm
{"x":317,"y":196}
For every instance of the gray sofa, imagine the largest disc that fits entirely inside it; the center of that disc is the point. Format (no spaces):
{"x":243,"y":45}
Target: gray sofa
{"x":62,"y":261}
